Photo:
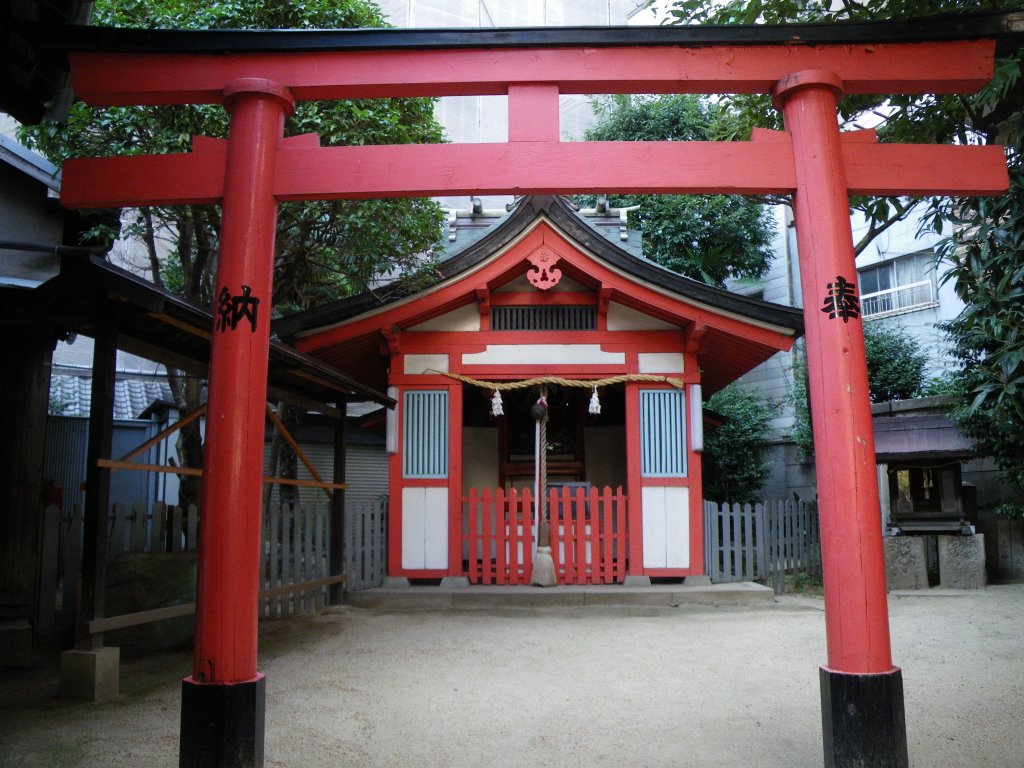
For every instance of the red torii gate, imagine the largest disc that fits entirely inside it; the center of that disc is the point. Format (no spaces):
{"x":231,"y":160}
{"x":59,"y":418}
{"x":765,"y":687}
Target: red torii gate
{"x":222,"y":702}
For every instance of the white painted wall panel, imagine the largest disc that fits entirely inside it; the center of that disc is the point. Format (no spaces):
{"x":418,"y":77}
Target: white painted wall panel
{"x":666,"y":527}
{"x":677,"y":527}
{"x":414,"y":522}
{"x":660,"y":362}
{"x":424,"y":528}
{"x":465,"y":318}
{"x":653,"y":500}
{"x":544,"y":354}
{"x":416,"y":364}
{"x":435,"y":533}
{"x":623,"y":318}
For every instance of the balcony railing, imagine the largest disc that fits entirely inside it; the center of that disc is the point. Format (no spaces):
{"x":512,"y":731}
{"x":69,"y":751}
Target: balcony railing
{"x":899,"y":299}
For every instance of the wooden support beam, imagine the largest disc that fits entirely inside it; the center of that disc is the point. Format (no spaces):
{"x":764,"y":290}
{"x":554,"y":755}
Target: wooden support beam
{"x":92,"y":601}
{"x":196,"y":472}
{"x":111,"y":623}
{"x":280,"y":427}
{"x":164,"y":433}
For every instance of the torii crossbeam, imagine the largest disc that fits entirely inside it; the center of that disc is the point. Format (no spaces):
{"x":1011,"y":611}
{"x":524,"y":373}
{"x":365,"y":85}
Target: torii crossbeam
{"x":258,"y":76}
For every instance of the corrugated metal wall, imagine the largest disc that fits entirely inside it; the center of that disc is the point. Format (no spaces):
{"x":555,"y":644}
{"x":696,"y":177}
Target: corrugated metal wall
{"x":64,"y":462}
{"x":366,"y":471}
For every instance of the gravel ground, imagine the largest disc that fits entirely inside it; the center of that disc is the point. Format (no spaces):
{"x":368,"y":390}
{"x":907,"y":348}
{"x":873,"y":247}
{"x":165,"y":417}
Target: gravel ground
{"x":687,"y":686}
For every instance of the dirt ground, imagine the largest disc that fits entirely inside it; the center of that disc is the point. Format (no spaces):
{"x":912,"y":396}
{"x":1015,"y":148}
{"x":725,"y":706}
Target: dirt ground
{"x":686,"y":686}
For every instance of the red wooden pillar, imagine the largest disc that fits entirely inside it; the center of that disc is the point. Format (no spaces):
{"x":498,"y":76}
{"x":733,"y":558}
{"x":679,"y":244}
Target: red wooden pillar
{"x":634,"y":508}
{"x":862,"y":692}
{"x":222,"y":715}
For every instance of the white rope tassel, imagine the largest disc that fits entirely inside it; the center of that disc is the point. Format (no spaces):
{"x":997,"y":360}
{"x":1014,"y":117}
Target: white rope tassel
{"x":595,"y":403}
{"x":496,"y":407}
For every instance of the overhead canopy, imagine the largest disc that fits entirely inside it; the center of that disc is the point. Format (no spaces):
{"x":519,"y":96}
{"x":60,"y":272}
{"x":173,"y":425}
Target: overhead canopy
{"x":150,"y":322}
{"x":918,"y":430}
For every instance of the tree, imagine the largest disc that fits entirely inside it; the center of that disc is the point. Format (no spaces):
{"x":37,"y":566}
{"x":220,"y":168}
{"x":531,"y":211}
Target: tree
{"x":734,"y":463}
{"x":324,"y":249}
{"x":896,"y":371}
{"x":896,"y":363}
{"x":985,"y":250}
{"x":706,"y":237}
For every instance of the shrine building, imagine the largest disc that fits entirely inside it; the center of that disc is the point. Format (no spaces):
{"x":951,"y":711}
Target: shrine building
{"x":623,"y":351}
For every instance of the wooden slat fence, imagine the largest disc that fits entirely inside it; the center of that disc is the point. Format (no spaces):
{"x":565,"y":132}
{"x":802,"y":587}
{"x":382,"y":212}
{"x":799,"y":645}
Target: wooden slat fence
{"x":365,"y":543}
{"x":295,"y":545}
{"x":761,"y":542}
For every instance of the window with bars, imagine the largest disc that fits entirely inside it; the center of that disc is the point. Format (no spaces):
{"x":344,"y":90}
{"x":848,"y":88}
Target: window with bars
{"x":662,"y":433}
{"x":898,"y":285}
{"x":568,"y":318}
{"x":425,"y":434}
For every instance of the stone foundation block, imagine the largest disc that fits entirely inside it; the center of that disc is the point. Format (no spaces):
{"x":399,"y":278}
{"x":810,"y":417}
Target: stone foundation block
{"x":636,"y":581}
{"x":702,"y":580}
{"x":962,"y":562}
{"x":91,"y":675}
{"x":906,"y":564}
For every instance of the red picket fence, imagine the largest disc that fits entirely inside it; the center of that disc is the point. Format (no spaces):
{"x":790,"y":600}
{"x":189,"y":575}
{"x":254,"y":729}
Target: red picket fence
{"x":500,"y":536}
{"x":588,"y":535}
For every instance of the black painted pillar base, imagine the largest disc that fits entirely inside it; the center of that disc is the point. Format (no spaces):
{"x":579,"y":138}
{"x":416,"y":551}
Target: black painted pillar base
{"x":862,"y":720}
{"x":222,"y":725}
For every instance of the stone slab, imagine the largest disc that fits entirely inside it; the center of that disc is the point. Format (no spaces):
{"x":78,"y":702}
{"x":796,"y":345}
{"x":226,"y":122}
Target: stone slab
{"x":497,"y":597}
{"x":962,"y":562}
{"x":92,"y":675}
{"x":906,"y":564}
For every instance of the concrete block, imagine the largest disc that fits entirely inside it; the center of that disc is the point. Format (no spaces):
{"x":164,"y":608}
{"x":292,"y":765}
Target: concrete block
{"x":962,"y":562}
{"x":906,"y":564}
{"x":395,"y":582}
{"x":701,"y":580}
{"x":455,"y":582}
{"x":15,"y":643}
{"x":92,"y":675}
{"x":637,"y":581}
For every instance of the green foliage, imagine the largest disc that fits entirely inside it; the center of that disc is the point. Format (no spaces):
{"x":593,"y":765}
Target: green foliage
{"x":325,"y":249}
{"x":735,"y":464}
{"x":896,"y":371}
{"x":802,"y":433}
{"x":988,"y":336}
{"x":57,"y":405}
{"x":895,"y":363}
{"x":986,"y":247}
{"x":706,"y":237}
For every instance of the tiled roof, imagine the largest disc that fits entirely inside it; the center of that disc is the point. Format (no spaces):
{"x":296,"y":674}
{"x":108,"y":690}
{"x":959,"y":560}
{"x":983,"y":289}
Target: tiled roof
{"x":70,"y":394}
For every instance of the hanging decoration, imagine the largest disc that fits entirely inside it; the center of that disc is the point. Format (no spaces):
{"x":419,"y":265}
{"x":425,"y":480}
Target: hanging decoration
{"x":588,"y":383}
{"x":595,"y":404}
{"x":496,"y":406}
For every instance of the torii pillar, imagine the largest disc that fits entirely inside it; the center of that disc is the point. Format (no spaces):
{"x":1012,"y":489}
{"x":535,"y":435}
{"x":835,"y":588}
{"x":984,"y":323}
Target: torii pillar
{"x":862,"y":711}
{"x":222,"y":703}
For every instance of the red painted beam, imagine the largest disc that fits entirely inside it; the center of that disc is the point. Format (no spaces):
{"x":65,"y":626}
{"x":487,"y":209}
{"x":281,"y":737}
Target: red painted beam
{"x":755,"y":167}
{"x":127,"y":79}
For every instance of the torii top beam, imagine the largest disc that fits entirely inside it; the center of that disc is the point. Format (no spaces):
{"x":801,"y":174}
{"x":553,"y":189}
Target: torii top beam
{"x":533,"y":67}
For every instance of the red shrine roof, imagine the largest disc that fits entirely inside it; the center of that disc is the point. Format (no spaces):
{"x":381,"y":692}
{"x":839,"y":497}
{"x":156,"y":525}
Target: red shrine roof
{"x":735,"y":332}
